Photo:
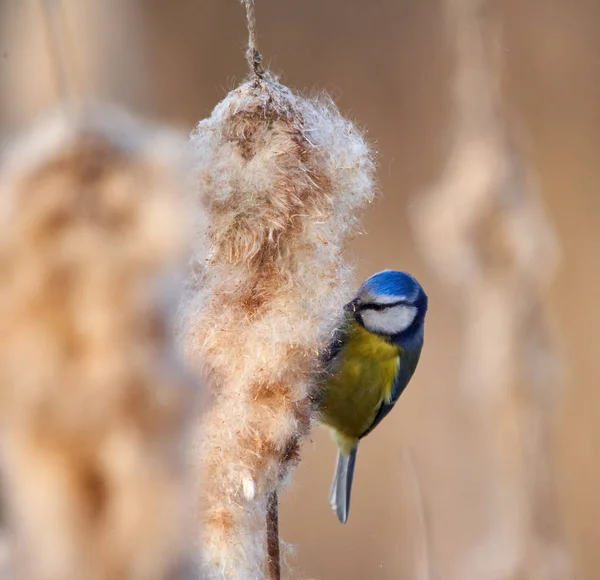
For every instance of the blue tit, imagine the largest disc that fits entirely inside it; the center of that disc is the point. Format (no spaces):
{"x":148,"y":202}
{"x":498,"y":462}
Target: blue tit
{"x":369,"y":362}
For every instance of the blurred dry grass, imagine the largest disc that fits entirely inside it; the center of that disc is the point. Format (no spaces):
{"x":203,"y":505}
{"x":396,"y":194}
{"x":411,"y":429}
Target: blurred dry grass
{"x":388,"y":64}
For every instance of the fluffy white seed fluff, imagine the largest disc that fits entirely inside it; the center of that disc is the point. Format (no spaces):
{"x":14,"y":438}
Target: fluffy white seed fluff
{"x":280,"y":178}
{"x":92,"y":396}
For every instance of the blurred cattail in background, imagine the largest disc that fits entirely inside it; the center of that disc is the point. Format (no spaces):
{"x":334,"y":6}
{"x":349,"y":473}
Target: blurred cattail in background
{"x":485,"y":233}
{"x":280,"y":178}
{"x":92,"y":396}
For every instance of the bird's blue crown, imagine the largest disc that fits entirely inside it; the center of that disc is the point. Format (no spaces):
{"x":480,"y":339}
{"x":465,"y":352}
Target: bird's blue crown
{"x":390,"y":283}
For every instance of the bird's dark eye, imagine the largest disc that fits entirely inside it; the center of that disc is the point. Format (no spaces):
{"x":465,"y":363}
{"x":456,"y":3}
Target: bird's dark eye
{"x":374,"y":306}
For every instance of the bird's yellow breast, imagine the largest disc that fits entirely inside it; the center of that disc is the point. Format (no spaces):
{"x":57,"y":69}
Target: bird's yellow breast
{"x":363,"y":377}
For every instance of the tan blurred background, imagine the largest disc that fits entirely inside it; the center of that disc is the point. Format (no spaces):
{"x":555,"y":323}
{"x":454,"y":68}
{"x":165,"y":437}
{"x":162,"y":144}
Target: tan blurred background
{"x":421,"y":502}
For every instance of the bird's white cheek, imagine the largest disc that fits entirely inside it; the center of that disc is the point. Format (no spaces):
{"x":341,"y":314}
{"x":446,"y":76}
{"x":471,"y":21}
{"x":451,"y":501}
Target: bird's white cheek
{"x":390,"y":320}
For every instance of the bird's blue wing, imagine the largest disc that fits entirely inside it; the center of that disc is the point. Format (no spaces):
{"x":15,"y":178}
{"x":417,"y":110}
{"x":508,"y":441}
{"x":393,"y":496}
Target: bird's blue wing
{"x":385,"y":407}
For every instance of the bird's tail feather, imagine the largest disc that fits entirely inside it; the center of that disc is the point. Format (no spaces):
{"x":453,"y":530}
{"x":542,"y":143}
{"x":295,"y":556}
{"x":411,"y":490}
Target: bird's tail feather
{"x":341,"y":487}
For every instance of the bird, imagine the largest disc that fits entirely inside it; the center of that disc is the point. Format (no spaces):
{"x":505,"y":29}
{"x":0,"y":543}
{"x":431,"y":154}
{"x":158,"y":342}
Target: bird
{"x":368,"y":363}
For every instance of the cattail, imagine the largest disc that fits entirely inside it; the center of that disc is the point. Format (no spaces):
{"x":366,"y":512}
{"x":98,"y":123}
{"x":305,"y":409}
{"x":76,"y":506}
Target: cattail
{"x":280,"y":178}
{"x":92,"y":395}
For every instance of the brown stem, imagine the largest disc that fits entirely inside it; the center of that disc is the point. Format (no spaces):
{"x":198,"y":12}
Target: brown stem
{"x":253,"y":55}
{"x":273,"y":559}
{"x":60,"y":45}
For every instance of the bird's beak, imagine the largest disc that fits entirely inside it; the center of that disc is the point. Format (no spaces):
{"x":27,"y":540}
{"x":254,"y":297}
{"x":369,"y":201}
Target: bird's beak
{"x":351,"y":306}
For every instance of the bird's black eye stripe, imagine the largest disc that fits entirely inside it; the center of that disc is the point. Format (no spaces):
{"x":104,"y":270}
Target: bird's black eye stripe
{"x":373,"y":306}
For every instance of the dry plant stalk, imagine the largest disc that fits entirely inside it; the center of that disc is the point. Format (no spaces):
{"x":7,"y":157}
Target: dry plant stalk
{"x":5,"y":573}
{"x":424,"y":567}
{"x":62,"y":50}
{"x":280,"y":178}
{"x":485,"y":232}
{"x":92,"y":396}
